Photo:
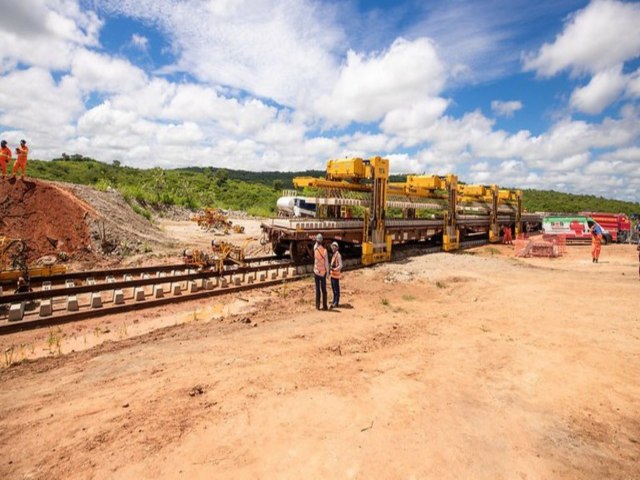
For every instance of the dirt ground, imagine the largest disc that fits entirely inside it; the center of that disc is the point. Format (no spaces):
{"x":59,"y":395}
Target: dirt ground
{"x":99,"y":229}
{"x":50,"y":218}
{"x":473,"y":365}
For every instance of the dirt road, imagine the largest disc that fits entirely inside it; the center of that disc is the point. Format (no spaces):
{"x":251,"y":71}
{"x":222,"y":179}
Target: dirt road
{"x":444,"y":366}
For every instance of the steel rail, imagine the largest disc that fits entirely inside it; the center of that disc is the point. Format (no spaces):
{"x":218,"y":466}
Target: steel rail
{"x":140,"y":282}
{"x":84,"y":274}
{"x":87,"y":313}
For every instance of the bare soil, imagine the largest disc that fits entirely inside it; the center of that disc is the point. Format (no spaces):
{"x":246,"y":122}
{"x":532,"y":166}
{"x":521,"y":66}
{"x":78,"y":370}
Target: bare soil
{"x":473,"y":365}
{"x":116,"y":228}
{"x":49,"y":218}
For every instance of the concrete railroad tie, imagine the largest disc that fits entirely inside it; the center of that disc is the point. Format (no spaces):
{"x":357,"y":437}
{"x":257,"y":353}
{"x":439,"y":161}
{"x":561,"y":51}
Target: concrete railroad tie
{"x":158,"y":291}
{"x":96,"y":300}
{"x":138,"y":294}
{"x":176,"y":289}
{"x":16,"y":312}
{"x":46,"y":308}
{"x":72,"y":303}
{"x":118,"y":297}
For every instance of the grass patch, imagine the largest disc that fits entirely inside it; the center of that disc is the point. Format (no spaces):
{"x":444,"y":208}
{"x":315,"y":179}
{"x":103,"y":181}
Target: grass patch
{"x":141,"y":211}
{"x":385,"y":301}
{"x":441,"y":284}
{"x":408,"y":298}
{"x":493,"y":251}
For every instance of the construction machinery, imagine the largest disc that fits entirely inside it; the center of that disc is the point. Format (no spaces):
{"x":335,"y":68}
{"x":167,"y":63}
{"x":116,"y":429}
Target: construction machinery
{"x":357,"y":206}
{"x":13,"y":262}
{"x":370,"y":176}
{"x":215,"y":219}
{"x":222,"y":253}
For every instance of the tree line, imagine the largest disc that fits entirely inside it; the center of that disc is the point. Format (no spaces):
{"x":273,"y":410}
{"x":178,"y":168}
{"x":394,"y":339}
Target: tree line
{"x":253,"y":192}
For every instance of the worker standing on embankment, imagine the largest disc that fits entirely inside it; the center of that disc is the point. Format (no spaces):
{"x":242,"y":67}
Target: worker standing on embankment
{"x":320,"y":270}
{"x":596,"y":242}
{"x":21,"y":162}
{"x":5,"y":157}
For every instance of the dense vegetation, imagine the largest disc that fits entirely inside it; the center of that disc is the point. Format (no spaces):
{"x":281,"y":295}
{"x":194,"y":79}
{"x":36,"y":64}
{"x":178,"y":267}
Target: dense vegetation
{"x":253,"y":192}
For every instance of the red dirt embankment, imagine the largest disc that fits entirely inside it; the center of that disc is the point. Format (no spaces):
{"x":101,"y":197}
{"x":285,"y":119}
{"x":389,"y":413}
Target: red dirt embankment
{"x":49,"y":218}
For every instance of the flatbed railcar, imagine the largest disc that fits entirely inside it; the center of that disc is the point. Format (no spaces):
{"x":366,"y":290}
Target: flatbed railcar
{"x":294,"y":237}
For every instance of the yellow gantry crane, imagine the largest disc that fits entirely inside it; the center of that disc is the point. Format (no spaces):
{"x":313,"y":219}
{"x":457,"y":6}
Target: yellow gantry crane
{"x":371,"y":176}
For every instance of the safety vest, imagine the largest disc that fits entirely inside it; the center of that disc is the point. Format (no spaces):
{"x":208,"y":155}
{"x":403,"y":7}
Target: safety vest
{"x":336,"y":265}
{"x":320,"y":260}
{"x":22,"y":153}
{"x":5,"y":154}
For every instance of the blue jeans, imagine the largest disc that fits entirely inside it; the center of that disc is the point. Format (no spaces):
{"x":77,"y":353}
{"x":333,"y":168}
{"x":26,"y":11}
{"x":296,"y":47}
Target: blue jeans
{"x":335,"y":286}
{"x":321,"y":288}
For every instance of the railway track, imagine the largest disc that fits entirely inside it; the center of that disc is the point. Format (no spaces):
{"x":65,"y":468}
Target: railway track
{"x":100,"y":293}
{"x":84,"y":275}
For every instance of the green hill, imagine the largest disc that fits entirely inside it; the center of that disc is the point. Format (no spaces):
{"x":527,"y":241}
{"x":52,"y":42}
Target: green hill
{"x":253,"y":192}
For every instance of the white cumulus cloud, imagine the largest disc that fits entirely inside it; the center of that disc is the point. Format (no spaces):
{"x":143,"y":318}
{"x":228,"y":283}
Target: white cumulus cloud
{"x":505,"y":109}
{"x":601,"y":36}
{"x":372,"y":85}
{"x":279,"y":49}
{"x":604,"y":88}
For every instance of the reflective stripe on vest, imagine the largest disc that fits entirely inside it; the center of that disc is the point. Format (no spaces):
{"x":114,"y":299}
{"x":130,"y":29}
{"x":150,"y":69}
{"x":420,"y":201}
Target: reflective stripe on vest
{"x":320,"y":260}
{"x":22,"y":153}
{"x":335,"y":263}
{"x":5,"y":155}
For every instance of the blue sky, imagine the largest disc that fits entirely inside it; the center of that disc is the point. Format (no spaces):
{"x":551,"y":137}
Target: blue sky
{"x":524,"y":94}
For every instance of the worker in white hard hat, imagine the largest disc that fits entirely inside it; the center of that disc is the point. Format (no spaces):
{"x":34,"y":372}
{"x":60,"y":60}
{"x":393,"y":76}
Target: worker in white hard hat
{"x":321,"y":271}
{"x":336,"y":271}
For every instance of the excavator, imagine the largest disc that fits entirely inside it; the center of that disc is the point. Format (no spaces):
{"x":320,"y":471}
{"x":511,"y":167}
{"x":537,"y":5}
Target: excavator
{"x":221,"y":253}
{"x":13,"y":262}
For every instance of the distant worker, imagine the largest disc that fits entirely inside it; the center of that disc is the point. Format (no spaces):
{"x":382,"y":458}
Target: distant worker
{"x":506,"y":235}
{"x":320,"y":270}
{"x":23,"y":286}
{"x":21,"y":162}
{"x":5,"y":157}
{"x":638,"y":258}
{"x":336,"y":271}
{"x":596,"y":242}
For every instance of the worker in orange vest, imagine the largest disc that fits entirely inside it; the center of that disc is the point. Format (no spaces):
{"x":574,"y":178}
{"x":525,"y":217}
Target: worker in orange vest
{"x":321,"y":271}
{"x":336,"y":271}
{"x":596,"y":242}
{"x":21,"y":162}
{"x":506,"y":237}
{"x":638,"y":257}
{"x":5,"y":157}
